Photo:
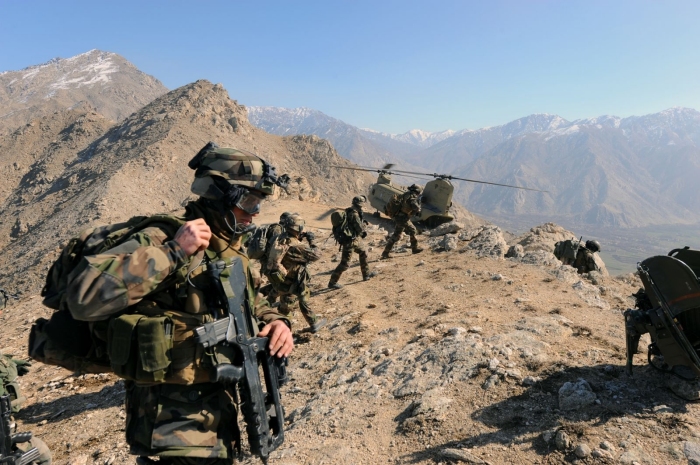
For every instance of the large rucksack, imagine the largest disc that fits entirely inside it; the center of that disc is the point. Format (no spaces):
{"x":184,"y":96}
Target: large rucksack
{"x":81,"y":346}
{"x":256,"y":246}
{"x":567,"y":249}
{"x":341,"y":231}
{"x":393,"y":206}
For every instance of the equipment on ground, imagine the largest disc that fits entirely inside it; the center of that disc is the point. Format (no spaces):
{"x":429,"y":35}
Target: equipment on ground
{"x":668,"y":308}
{"x":436,"y":198}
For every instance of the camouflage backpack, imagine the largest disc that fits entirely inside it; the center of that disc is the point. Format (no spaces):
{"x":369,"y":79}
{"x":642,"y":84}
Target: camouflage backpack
{"x":258,"y":244}
{"x":567,"y":249}
{"x":393,"y":206}
{"x":341,"y":231}
{"x":10,"y":369}
{"x":81,"y":346}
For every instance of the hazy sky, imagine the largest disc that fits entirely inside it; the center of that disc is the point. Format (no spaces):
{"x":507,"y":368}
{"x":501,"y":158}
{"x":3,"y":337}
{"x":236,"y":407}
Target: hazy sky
{"x":389,"y":65}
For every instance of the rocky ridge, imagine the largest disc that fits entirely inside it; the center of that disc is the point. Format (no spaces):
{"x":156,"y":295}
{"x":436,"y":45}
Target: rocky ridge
{"x":138,"y":166}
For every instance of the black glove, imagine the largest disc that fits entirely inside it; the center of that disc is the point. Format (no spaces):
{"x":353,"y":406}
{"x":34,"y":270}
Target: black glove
{"x":364,"y":234}
{"x":310,"y":236}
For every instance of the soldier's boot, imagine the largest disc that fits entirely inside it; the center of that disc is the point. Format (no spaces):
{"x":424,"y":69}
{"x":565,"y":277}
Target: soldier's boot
{"x":386,"y":254}
{"x":320,"y":323}
{"x":333,"y":283}
{"x":368,"y":276}
{"x":414,"y":246}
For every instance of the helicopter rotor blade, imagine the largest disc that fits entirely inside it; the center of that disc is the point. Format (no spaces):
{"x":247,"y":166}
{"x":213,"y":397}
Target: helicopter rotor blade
{"x":447,"y":176}
{"x":377,"y":170}
{"x":328,"y":213}
{"x":496,"y":184}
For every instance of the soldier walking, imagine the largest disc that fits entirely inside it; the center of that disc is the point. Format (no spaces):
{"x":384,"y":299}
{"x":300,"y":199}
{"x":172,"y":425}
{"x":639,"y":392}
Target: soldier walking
{"x":355,"y":225}
{"x":410,"y":206}
{"x":287,"y":269}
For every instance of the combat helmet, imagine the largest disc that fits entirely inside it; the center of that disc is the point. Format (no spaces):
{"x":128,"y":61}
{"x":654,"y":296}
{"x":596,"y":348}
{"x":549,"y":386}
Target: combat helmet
{"x":219,"y":170}
{"x":358,"y":200}
{"x":294,"y":223}
{"x":593,"y":246}
{"x":284,"y":216}
{"x":415,"y":188}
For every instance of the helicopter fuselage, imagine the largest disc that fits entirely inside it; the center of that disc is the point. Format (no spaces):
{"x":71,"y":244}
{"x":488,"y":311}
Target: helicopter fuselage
{"x":435,"y":204}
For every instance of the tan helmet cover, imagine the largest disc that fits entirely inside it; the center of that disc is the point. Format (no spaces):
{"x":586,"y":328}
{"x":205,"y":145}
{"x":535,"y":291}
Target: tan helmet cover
{"x":238,"y":167}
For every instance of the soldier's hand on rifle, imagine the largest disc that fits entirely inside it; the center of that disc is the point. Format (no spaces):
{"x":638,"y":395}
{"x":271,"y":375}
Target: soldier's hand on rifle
{"x":193,"y":236}
{"x":281,"y":341}
{"x":310,"y":236}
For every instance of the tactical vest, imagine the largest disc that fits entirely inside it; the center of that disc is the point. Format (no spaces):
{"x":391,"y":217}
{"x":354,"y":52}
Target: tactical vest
{"x":155,"y":342}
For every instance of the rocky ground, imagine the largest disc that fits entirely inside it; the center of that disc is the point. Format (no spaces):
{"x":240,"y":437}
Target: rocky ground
{"x":453,"y":355}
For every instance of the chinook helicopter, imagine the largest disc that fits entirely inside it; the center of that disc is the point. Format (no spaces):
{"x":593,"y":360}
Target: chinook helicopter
{"x":436,"y":198}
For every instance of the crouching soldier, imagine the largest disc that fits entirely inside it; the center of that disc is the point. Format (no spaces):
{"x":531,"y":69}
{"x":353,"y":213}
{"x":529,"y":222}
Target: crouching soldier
{"x":287,"y":269}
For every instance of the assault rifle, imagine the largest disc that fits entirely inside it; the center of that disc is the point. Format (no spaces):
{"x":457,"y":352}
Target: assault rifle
{"x":262,"y":409}
{"x":8,"y":453}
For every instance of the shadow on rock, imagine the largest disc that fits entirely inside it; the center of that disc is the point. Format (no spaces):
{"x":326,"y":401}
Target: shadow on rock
{"x":75,"y":404}
{"x":569,"y":400}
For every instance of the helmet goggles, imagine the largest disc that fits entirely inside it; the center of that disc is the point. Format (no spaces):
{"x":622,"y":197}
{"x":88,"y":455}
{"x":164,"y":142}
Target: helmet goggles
{"x":250,"y":202}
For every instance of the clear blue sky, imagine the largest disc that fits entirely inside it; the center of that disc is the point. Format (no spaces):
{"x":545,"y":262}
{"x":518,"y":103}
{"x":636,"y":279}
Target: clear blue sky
{"x":389,"y":65}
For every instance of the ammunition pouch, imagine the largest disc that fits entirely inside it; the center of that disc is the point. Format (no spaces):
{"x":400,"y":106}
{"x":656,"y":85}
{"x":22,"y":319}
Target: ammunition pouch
{"x":140,"y":347}
{"x":277,"y":278}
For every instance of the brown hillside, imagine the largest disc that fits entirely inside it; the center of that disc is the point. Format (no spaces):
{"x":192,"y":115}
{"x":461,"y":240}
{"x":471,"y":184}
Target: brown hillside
{"x":444,"y":357}
{"x":140,"y":167}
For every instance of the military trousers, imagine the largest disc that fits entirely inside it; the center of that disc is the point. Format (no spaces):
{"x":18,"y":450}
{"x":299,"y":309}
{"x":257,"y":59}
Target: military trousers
{"x":294,"y":287}
{"x":346,"y":255}
{"x":182,"y":422}
{"x":402,"y":224}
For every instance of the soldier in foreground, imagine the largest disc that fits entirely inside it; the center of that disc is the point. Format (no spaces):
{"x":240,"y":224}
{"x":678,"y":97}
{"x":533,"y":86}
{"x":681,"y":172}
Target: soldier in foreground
{"x":159,"y":282}
{"x":10,"y":369}
{"x":286,"y":269}
{"x":355,"y":225}
{"x":410,"y":206}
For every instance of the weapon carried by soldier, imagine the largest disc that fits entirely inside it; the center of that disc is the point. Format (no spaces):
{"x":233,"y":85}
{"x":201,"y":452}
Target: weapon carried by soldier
{"x":9,"y":454}
{"x":262,"y":410}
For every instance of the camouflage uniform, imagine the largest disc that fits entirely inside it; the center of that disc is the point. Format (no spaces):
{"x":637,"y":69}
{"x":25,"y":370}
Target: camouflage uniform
{"x":10,"y":369}
{"x":357,"y":227}
{"x":410,"y":206}
{"x":286,"y":269}
{"x":186,"y":415}
{"x":3,"y":299}
{"x":185,"y":419}
{"x":586,"y":261}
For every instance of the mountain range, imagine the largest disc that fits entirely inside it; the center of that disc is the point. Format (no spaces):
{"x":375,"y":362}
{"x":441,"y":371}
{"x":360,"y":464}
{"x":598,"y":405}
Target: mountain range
{"x":605,"y":171}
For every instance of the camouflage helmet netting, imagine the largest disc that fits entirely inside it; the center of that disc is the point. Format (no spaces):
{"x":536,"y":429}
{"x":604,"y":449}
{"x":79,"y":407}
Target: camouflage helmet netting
{"x":295,"y":223}
{"x":359,"y":200}
{"x":415,"y":188}
{"x":234,"y":166}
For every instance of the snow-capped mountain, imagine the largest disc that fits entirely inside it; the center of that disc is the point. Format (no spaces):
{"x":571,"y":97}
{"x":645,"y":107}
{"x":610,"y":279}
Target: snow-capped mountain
{"x":103,"y":80}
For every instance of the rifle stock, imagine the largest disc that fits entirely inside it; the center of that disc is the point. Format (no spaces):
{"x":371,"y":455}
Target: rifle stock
{"x":261,"y":406}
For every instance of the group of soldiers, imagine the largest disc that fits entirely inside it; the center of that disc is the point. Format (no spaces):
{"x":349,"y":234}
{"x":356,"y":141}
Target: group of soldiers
{"x":158,"y":273}
{"x":290,"y":249}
